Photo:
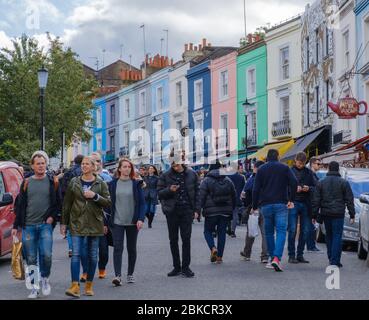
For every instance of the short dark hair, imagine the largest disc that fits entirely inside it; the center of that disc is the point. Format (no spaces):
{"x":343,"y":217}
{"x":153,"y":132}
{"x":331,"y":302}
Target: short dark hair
{"x":78,"y":159}
{"x":259,"y":163}
{"x":334,"y":166}
{"x":272,"y":155}
{"x":301,"y":156}
{"x":313,"y":160}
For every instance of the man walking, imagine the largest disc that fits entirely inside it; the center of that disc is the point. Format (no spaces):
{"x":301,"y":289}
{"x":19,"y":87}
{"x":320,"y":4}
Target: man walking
{"x":37,"y":207}
{"x":332,"y":196}
{"x":302,"y":209}
{"x":178,"y":190}
{"x":274,"y":192}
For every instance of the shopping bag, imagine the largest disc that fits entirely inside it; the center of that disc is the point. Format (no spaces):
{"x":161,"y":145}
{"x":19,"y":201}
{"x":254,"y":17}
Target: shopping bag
{"x":253,"y":225}
{"x":17,"y":260}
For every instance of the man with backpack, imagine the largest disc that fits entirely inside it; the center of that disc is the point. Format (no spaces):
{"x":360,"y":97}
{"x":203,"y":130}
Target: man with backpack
{"x":37,"y":207}
{"x":218,"y":201}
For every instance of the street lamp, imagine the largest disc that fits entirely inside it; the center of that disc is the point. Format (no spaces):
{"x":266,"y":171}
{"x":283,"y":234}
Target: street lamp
{"x":155,"y":119}
{"x":43,"y":76}
{"x":246,"y":104}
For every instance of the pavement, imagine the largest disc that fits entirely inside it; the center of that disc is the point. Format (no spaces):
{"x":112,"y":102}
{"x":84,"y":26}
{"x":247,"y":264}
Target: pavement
{"x":233,"y":280}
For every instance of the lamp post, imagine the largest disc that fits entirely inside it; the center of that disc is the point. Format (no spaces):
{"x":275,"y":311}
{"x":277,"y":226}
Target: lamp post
{"x":43,"y":75}
{"x":155,"y":119}
{"x":246,"y":104}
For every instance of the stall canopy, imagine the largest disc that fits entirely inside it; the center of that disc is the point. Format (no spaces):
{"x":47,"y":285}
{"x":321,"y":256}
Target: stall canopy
{"x":301,"y":144}
{"x":281,"y":146}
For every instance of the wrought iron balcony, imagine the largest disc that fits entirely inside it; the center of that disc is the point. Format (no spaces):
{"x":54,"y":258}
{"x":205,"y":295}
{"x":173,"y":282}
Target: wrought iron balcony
{"x":281,"y":128}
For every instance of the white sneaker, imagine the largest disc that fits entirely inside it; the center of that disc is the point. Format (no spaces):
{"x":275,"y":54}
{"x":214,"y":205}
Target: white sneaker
{"x":45,"y":286}
{"x":34,"y":294}
{"x":131,"y":279}
{"x":269,"y":264}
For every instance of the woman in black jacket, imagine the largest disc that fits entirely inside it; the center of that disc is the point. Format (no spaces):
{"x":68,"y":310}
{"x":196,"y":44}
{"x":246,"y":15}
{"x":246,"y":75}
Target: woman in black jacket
{"x":151,"y":193}
{"x":218,"y":200}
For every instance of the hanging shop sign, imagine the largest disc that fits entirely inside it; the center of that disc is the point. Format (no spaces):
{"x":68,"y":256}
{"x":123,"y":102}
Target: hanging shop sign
{"x":348,"y":108}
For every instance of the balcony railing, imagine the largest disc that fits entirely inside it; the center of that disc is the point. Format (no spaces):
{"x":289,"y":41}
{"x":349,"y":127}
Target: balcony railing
{"x":281,"y":128}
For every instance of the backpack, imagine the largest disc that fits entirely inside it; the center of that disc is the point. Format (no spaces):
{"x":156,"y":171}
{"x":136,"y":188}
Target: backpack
{"x":55,"y":179}
{"x":221,"y":192}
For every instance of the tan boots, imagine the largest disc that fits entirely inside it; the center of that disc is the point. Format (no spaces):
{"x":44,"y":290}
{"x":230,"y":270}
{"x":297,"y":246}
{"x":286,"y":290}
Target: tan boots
{"x":75,"y":291}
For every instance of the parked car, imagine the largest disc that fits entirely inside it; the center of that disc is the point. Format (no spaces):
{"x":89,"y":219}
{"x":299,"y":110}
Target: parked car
{"x":359,"y":182}
{"x":10,"y":180}
{"x":363,"y":245}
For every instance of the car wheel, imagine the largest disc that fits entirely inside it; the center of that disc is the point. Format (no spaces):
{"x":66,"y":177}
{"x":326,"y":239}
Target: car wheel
{"x":361,"y":253}
{"x":320,"y":237}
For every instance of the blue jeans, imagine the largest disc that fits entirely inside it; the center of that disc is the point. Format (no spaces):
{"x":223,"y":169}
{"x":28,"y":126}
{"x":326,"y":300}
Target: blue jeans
{"x":301,"y":210}
{"x":69,"y":239}
{"x":79,"y":251}
{"x":275,"y":219}
{"x":220,"y":223}
{"x":38,"y":242}
{"x":333,"y":238}
{"x":150,"y":206}
{"x":310,"y":241}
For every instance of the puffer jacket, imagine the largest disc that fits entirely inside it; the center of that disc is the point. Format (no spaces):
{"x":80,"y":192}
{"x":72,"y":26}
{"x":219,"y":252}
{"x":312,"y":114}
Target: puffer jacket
{"x":85,"y":217}
{"x":207,"y":190}
{"x":168,"y":198}
{"x":331,"y":196}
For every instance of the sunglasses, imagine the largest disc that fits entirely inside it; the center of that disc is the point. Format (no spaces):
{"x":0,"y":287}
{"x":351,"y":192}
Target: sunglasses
{"x":98,"y":160}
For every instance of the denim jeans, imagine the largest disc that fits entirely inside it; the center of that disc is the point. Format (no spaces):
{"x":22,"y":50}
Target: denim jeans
{"x":69,"y":239}
{"x":301,"y":210}
{"x":38,"y":243}
{"x":236,"y":217}
{"x":310,"y":241}
{"x":103,"y":252}
{"x":333,"y":238}
{"x":220,"y":223}
{"x":275,"y":219}
{"x":78,"y":253}
{"x":150,"y":207}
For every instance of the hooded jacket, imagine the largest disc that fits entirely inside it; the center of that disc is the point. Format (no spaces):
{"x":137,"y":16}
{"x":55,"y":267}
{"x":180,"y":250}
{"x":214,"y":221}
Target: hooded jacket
{"x":211,"y":186}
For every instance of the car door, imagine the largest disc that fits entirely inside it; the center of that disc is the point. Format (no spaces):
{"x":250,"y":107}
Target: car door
{"x":11,"y":180}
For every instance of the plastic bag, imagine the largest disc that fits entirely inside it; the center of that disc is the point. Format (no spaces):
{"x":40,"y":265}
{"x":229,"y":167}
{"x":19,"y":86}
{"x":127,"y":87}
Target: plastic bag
{"x":17,"y":260}
{"x":253,"y":225}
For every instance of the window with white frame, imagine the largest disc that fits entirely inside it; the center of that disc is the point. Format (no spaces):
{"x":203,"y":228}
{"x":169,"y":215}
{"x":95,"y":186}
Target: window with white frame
{"x":251,"y":82}
{"x":142,"y":102}
{"x":98,"y":142}
{"x":346,"y":49}
{"x":199,"y":141}
{"x":252,"y":126}
{"x":112,"y":114}
{"x":98,"y":118}
{"x":179,"y":94}
{"x":284,"y":103}
{"x":223,"y":131}
{"x":198,"y":94}
{"x":126,"y":103}
{"x":159,"y":98}
{"x":223,"y":84}
{"x":285,"y":63}
{"x":126,"y":139}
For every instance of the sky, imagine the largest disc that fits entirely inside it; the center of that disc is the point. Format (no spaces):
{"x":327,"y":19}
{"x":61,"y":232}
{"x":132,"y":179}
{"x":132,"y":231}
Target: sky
{"x":109,"y":29}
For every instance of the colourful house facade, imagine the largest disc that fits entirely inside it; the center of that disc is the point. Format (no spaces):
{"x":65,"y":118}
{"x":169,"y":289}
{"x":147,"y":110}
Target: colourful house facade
{"x":252,"y":85}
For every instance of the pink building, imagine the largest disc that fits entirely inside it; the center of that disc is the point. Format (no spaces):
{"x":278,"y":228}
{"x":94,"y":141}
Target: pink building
{"x":224,"y":102}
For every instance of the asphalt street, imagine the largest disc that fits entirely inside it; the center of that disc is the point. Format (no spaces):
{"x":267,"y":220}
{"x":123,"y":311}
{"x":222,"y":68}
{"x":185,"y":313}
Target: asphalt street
{"x":234,"y":279}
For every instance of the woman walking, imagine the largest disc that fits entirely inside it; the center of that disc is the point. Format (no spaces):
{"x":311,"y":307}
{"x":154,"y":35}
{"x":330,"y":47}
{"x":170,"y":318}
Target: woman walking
{"x":127,"y":217}
{"x":151,"y":193}
{"x":84,"y":201}
{"x":218,"y":200}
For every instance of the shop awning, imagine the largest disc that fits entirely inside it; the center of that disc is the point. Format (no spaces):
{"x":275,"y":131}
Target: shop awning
{"x":339,"y":156}
{"x":282,"y":148}
{"x":301,"y":144}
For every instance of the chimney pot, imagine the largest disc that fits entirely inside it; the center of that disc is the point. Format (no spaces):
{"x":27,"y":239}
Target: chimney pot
{"x":195,"y":48}
{"x":204,"y":42}
{"x":191,"y":46}
{"x":200,"y":47}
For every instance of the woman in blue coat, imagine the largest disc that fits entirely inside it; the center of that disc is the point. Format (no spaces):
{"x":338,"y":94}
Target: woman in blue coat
{"x":151,"y":193}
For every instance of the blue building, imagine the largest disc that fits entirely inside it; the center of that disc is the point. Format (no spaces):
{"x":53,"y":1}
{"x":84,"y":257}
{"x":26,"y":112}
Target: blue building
{"x":160,"y":121}
{"x":361,"y":11}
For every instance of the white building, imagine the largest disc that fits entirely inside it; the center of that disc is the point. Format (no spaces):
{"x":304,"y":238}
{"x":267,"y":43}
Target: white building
{"x":283,"y":43}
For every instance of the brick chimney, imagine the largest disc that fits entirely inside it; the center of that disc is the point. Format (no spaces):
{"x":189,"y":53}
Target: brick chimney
{"x":204,"y":42}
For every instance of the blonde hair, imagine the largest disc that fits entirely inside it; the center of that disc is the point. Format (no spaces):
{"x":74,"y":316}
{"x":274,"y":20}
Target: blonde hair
{"x":92,"y":161}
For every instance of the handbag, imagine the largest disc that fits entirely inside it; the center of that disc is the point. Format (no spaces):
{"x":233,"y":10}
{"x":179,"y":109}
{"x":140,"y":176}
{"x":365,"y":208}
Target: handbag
{"x":17,"y":260}
{"x":253,"y":225}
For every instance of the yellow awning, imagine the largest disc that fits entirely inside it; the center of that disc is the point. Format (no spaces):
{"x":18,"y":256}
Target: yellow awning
{"x":282,"y":148}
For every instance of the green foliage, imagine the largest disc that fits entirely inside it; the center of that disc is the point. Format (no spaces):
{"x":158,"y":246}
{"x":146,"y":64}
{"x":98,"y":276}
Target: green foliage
{"x":68,"y":99}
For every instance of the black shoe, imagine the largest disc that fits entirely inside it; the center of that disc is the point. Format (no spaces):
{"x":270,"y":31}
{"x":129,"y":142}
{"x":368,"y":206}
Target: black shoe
{"x":292,"y":260}
{"x":150,"y":226}
{"x":188,"y":273}
{"x":174,"y":272}
{"x":301,"y":260}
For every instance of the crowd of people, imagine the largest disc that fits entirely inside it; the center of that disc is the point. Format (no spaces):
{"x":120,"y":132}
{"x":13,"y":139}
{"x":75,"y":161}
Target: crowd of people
{"x":97,"y":210}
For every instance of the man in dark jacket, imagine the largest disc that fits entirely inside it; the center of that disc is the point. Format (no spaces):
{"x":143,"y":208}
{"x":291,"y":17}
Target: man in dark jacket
{"x":218,"y":201}
{"x":239,"y":181}
{"x":178,"y":190}
{"x":36,"y":209}
{"x":302,"y":208}
{"x":332,"y":196}
{"x":74,"y":171}
{"x":274,"y":193}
